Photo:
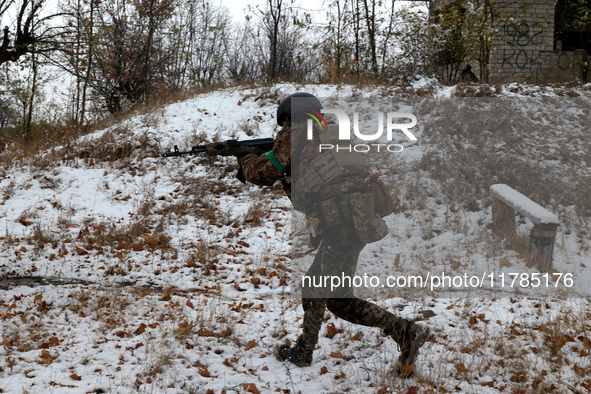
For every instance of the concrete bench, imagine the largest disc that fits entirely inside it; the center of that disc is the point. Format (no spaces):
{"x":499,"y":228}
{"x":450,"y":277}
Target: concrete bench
{"x":506,"y":201}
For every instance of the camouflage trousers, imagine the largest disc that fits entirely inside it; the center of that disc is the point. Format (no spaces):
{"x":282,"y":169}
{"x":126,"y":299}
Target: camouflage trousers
{"x":338,"y":255}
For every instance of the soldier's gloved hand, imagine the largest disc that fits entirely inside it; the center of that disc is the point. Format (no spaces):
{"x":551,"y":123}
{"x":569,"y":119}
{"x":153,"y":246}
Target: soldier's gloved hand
{"x":240,"y":158}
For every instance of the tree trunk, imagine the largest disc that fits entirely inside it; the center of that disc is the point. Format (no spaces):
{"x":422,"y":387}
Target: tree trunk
{"x":29,"y":116}
{"x":90,"y":44}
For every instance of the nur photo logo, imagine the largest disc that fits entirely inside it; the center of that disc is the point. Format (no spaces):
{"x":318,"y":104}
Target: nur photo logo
{"x":315,"y":116}
{"x":394,"y":123}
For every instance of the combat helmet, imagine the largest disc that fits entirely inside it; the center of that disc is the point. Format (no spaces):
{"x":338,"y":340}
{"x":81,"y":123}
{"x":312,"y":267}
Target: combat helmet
{"x":291,"y":111}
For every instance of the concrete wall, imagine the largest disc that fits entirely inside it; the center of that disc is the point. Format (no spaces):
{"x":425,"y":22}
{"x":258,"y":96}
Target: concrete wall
{"x":524,"y":48}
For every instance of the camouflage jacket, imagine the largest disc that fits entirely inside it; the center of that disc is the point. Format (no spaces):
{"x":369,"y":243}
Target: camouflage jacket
{"x":260,"y":171}
{"x":337,"y":201}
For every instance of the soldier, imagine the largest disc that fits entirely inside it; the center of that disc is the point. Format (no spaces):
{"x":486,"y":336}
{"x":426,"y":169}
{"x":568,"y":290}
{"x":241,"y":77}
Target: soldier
{"x":328,"y":187}
{"x":468,"y":75}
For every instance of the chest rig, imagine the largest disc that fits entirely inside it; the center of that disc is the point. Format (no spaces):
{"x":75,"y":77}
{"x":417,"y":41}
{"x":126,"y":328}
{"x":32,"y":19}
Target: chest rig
{"x":320,"y":162}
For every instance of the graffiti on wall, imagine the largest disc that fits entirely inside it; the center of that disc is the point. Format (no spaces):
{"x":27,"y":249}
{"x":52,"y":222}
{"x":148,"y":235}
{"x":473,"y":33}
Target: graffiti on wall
{"x":521,"y":59}
{"x":523,"y":34}
{"x":524,"y":49}
{"x":567,"y":60}
{"x":521,"y":37}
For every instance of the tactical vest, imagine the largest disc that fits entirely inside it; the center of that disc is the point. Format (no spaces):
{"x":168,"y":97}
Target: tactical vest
{"x":317,"y":170}
{"x":313,"y":169}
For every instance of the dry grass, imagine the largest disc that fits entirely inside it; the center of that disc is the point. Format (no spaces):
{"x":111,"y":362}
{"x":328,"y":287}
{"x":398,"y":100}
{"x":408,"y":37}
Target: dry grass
{"x":473,"y":153}
{"x":158,"y":339}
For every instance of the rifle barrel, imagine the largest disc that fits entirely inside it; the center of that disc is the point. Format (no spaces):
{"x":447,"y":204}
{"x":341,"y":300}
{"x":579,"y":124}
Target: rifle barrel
{"x":227,"y":148}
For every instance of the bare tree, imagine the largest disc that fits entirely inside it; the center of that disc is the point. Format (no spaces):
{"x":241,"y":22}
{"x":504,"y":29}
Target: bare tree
{"x":33,"y":37}
{"x":288,"y":55}
{"x":7,"y":111}
{"x":21,"y":44}
{"x":371,"y":23}
{"x":132,"y":51}
{"x":76,"y":52}
{"x":32,"y":31}
{"x":272,"y":22}
{"x":357,"y":35}
{"x":338,"y":44}
{"x":197,"y":41}
{"x":245,"y":57}
{"x":127,"y":53}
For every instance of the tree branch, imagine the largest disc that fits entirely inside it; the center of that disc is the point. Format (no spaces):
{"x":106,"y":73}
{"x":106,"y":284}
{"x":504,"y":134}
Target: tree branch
{"x":25,"y":24}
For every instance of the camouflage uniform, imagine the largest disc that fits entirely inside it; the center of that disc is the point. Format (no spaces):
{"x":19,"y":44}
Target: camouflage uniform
{"x":259,"y":170}
{"x":338,"y":253}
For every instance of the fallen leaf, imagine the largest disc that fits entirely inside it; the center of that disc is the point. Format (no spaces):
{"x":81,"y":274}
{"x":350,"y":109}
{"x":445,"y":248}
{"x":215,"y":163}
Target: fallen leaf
{"x":250,"y":388}
{"x":331,"y":330}
{"x":140,"y":330}
{"x":46,"y":358}
{"x":514,"y":331}
{"x":357,"y":336}
{"x":340,"y":376}
{"x":251,"y":344}
{"x":81,"y":251}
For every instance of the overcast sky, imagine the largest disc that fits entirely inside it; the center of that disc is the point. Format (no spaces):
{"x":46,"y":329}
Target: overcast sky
{"x":317,"y":8}
{"x":238,"y":7}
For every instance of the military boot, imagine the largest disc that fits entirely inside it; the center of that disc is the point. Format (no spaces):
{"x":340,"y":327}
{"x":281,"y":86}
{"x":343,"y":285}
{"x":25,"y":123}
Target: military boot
{"x":297,"y":355}
{"x":410,"y":339}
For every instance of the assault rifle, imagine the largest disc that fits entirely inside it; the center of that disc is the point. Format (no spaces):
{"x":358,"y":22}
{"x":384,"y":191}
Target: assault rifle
{"x":227,"y":148}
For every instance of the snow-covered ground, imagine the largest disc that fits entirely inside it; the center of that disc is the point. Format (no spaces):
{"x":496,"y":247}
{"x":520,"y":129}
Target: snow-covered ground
{"x":126,"y":272}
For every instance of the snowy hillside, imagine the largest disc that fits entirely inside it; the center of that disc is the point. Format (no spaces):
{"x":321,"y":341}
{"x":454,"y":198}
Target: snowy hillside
{"x":123,"y":272}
